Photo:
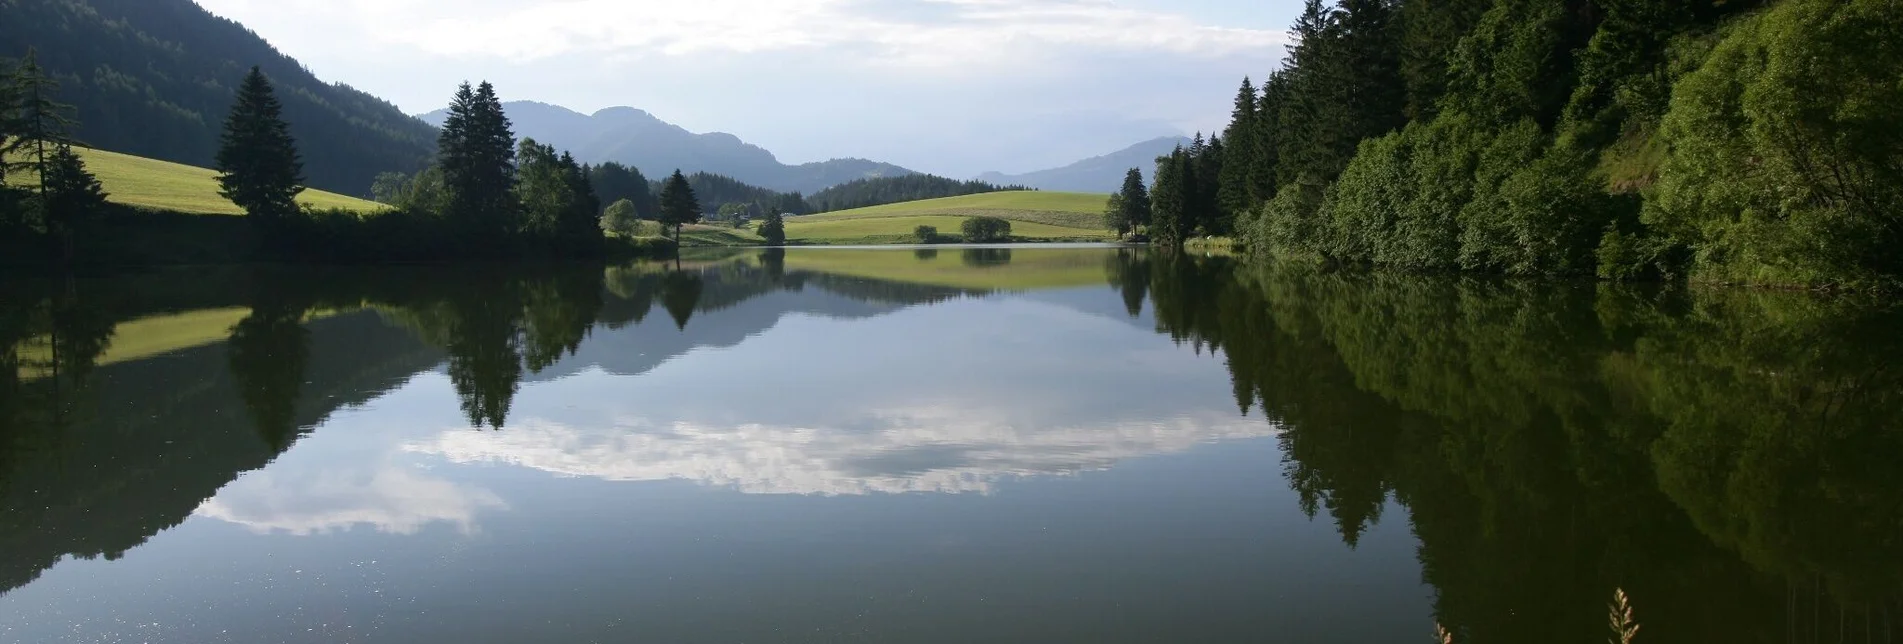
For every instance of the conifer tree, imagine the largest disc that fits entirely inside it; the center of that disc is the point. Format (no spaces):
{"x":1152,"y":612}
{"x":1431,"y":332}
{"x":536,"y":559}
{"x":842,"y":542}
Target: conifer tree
{"x":1170,"y":199}
{"x":70,"y":198}
{"x":1211,"y":217}
{"x":1234,"y":192}
{"x":1135,"y":204}
{"x":679,"y":206}
{"x":477,"y":154}
{"x":258,"y":165}
{"x":39,"y":124}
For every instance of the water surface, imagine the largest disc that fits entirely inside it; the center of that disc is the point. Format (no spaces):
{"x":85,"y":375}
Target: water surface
{"x":939,"y":445}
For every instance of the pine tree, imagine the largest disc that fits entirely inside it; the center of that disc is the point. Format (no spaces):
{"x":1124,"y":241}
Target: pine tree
{"x":258,"y":164}
{"x":1136,"y":201}
{"x":70,"y":197}
{"x":1170,"y":199}
{"x":578,"y":230}
{"x":1211,"y":216}
{"x":679,"y":206}
{"x":477,"y":154}
{"x":1234,"y":192}
{"x":39,"y":125}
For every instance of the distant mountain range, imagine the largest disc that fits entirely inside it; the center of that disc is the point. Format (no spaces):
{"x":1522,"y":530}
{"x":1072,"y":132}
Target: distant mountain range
{"x":634,"y":137}
{"x":1097,"y":174}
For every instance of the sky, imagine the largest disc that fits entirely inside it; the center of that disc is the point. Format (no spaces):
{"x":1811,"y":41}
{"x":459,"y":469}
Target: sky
{"x":952,"y":87}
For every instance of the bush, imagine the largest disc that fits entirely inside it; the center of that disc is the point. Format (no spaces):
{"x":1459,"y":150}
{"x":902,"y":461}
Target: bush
{"x":980,"y":230}
{"x":621,"y":219}
{"x":926,"y":234}
{"x":1787,"y":150}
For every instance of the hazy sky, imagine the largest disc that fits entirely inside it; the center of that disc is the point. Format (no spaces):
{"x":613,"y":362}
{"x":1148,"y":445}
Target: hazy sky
{"x":953,"y":87}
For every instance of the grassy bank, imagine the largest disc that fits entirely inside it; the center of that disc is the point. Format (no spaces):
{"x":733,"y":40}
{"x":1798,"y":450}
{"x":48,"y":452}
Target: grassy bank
{"x":162,"y":185}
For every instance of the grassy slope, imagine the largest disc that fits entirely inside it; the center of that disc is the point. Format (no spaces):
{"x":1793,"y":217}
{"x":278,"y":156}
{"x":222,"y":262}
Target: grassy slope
{"x":1034,"y":215}
{"x":162,"y":185}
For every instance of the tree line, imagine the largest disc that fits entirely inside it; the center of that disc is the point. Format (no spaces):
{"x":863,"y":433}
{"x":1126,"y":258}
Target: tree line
{"x":485,"y":195}
{"x":1741,"y":142}
{"x":878,"y":191}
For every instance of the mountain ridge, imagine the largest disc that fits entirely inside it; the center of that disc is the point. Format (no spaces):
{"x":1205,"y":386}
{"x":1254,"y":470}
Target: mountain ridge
{"x":636,"y":137}
{"x":1098,"y":174}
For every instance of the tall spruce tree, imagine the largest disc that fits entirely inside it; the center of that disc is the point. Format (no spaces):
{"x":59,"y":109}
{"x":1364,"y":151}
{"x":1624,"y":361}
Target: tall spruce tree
{"x":1170,"y":199}
{"x":40,"y":125}
{"x":70,"y":198}
{"x":1133,"y":204}
{"x":1234,"y":192}
{"x":477,"y":154}
{"x":258,"y":165}
{"x":679,"y":206}
{"x":1211,"y":216}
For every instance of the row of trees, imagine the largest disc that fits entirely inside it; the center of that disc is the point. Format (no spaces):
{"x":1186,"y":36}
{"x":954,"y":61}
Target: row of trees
{"x":1747,"y":141}
{"x":876,"y":191}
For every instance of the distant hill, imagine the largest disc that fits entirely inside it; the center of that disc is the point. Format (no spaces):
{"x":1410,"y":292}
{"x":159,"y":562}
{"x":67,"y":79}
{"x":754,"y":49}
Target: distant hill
{"x":637,"y":138}
{"x":1102,"y":174}
{"x":155,"y":78}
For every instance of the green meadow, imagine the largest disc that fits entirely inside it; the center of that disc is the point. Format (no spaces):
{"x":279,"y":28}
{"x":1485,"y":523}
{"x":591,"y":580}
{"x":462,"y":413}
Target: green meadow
{"x":163,"y":185}
{"x":1034,"y":215}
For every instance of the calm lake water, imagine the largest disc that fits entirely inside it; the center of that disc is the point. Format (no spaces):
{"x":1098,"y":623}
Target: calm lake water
{"x":941,"y":445}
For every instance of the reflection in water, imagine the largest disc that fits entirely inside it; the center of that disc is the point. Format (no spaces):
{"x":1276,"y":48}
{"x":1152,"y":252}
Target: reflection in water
{"x":1722,"y":455}
{"x":1727,"y":457}
{"x":982,"y":257}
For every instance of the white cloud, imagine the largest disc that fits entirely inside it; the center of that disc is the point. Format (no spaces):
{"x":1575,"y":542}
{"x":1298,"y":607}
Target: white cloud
{"x":392,"y":499}
{"x":957,"y":33}
{"x":948,"y":450}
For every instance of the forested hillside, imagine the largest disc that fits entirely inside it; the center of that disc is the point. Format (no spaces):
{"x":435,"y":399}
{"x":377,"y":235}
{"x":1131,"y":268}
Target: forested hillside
{"x":155,"y":78}
{"x":878,"y":192}
{"x":1737,"y":141}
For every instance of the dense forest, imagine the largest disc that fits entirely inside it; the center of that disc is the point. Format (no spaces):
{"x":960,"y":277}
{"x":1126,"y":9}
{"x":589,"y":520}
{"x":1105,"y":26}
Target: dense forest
{"x":718,"y":192}
{"x":884,"y":190}
{"x":154,"y":78}
{"x":1742,"y":141}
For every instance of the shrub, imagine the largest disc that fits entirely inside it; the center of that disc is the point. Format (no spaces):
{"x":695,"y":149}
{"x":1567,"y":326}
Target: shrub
{"x":926,"y":234}
{"x":981,"y":230}
{"x":1787,"y":149}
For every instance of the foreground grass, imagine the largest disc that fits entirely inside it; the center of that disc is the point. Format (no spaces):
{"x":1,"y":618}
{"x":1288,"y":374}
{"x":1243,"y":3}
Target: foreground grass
{"x":163,"y":185}
{"x":1063,"y":209}
{"x":899,"y":230}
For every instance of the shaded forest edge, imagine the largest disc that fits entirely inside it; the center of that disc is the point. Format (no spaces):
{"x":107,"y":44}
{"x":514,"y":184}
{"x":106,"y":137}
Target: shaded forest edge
{"x":487,"y":196}
{"x":1750,"y":142}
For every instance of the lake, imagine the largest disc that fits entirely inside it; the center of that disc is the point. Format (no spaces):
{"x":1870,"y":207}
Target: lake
{"x":1025,"y":444}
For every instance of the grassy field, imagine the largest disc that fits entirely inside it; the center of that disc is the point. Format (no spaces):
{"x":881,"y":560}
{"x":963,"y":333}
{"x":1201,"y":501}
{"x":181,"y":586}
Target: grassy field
{"x":1061,"y":209}
{"x":1028,"y":268}
{"x":162,"y":185}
